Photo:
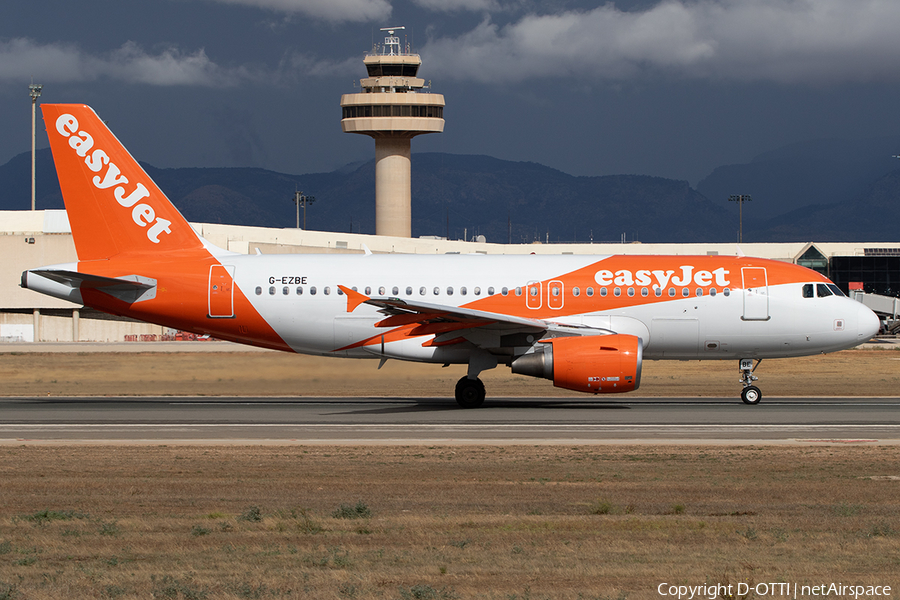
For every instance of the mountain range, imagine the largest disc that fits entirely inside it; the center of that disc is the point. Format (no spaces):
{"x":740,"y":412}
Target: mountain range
{"x":826,"y":190}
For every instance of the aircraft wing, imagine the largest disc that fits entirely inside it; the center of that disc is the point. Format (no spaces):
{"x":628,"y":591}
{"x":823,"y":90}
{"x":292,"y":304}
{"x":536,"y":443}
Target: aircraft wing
{"x":438,"y":318}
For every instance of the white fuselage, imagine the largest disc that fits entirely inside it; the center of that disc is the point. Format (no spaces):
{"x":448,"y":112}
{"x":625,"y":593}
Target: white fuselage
{"x":298,"y":296}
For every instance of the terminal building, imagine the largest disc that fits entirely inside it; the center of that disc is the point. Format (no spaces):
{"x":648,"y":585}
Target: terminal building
{"x":30,"y":239}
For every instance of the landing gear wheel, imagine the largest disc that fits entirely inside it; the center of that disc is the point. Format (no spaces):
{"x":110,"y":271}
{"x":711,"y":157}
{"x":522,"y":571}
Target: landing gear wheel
{"x":751,"y":395}
{"x":469,"y":393}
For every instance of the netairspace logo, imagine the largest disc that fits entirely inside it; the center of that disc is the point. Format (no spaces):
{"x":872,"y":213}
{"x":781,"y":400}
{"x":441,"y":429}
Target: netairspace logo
{"x":773,"y":590}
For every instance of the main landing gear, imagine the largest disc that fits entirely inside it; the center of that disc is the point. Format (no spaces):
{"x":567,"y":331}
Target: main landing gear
{"x":469,"y":392}
{"x":751,"y":393}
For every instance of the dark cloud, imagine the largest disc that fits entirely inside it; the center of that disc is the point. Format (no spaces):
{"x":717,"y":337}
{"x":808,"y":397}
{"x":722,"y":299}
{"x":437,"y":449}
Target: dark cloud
{"x":788,"y":41}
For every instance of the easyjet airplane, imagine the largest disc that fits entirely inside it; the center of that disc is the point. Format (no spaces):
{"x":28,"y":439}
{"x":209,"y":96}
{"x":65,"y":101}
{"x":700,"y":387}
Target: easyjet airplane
{"x":584,"y":322}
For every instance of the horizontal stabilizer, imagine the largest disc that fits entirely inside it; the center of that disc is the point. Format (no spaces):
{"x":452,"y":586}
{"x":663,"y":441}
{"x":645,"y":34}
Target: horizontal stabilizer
{"x":130,"y":288}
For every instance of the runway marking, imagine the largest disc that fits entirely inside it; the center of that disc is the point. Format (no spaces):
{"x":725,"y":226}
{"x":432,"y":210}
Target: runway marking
{"x":376,"y":426}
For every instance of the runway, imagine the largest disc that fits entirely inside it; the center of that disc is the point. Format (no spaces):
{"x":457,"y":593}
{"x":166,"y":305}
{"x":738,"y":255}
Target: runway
{"x":198,"y":420}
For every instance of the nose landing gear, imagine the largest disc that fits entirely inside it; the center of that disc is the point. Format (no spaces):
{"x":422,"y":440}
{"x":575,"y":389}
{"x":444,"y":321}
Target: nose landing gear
{"x":750,"y":393}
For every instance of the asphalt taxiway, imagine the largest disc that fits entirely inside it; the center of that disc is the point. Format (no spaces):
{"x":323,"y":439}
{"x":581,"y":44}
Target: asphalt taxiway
{"x":439,"y":421}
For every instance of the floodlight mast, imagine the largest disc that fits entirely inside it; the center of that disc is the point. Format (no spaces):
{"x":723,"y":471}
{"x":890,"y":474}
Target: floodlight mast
{"x":740,"y":199}
{"x":34,"y":91}
{"x":302,"y":200}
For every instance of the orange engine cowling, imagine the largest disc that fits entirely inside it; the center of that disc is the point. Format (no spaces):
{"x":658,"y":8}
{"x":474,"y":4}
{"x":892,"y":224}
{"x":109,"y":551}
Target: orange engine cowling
{"x":596,"y":363}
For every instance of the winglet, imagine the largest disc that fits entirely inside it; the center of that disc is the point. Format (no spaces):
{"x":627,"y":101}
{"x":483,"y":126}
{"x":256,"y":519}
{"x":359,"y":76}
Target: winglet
{"x":354,"y":298}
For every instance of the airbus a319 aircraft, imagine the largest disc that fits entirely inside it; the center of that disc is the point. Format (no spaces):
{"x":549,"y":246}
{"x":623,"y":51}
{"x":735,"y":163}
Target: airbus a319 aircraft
{"x":585,"y":322}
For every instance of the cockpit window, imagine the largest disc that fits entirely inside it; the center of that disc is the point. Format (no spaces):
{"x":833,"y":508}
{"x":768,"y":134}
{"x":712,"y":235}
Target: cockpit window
{"x":822,"y":290}
{"x":808,"y":291}
{"x":837,"y":291}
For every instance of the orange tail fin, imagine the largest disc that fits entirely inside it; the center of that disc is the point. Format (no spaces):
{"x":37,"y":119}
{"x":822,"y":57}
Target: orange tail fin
{"x":113,"y":205}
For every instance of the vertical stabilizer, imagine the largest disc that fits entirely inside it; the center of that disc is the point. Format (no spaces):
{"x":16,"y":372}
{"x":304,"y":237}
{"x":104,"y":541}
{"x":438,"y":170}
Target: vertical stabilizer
{"x":113,"y":205}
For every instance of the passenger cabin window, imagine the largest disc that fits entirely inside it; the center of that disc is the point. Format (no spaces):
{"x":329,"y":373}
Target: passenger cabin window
{"x":422,"y":291}
{"x":409,"y":291}
{"x":462,"y":290}
{"x":381,"y":291}
{"x":576,"y":291}
{"x":822,"y":290}
{"x":395,"y":290}
{"x":437,"y":291}
{"x":327,"y":290}
{"x":368,"y":290}
{"x":299,"y":291}
{"x":477,"y":291}
{"x":504,"y":291}
{"x":590,"y":291}
{"x":312,"y":291}
{"x":491,"y":291}
{"x":258,"y":290}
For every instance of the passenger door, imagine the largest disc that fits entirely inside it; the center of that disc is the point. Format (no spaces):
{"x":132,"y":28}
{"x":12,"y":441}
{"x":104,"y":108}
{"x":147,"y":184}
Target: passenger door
{"x":756,"y":294}
{"x":221,"y":292}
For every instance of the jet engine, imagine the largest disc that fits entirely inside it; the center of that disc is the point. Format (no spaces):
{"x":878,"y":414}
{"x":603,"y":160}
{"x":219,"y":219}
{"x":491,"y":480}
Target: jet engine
{"x":596,"y":363}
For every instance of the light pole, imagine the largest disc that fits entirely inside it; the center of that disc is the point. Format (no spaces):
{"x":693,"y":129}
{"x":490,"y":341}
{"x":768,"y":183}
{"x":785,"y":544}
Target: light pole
{"x":301,"y":200}
{"x":35,"y":91}
{"x":740,"y":199}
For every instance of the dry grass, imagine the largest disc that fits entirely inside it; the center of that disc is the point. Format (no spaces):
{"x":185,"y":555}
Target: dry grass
{"x":463,"y":522}
{"x":848,"y":373}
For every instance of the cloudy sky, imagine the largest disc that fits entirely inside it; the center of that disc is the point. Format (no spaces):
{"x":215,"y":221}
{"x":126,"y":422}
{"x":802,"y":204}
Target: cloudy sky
{"x":672,"y":88}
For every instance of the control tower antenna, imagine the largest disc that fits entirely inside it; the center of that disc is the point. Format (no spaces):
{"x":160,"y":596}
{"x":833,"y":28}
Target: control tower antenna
{"x":392,"y":108}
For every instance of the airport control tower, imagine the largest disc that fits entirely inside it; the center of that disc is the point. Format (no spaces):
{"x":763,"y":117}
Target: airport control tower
{"x":392,"y":108}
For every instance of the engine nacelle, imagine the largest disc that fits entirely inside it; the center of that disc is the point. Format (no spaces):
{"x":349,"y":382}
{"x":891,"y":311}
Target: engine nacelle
{"x":595,"y":363}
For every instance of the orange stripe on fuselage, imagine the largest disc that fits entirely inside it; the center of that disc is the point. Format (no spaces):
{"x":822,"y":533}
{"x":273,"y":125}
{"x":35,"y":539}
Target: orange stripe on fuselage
{"x":623,"y":272}
{"x":637,"y":273}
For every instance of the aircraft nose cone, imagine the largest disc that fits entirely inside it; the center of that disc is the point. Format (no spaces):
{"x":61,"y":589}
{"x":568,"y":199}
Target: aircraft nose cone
{"x":868,"y":324}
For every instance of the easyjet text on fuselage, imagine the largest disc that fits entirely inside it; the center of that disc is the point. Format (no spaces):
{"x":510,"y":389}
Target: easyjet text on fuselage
{"x":659,"y":278}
